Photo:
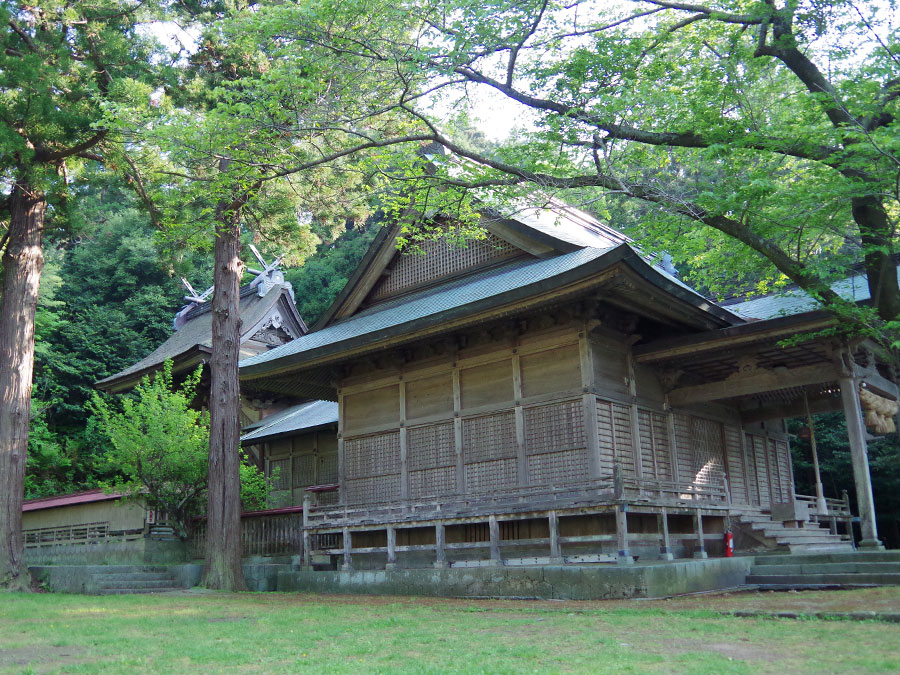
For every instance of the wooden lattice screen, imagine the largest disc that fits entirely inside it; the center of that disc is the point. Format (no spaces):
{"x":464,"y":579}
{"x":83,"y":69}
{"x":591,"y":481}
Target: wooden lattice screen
{"x":489,"y":449}
{"x":708,"y":452}
{"x":431,"y":457}
{"x":555,"y":443}
{"x":616,"y":438}
{"x":656,"y":460}
{"x":373,"y":468}
{"x":440,"y":258}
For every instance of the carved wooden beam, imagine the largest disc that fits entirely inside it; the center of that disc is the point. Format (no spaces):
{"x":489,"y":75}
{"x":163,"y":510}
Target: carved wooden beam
{"x":754,"y":382}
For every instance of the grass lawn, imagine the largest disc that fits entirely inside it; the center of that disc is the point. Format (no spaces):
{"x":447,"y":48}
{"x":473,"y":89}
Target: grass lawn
{"x":276,"y":632}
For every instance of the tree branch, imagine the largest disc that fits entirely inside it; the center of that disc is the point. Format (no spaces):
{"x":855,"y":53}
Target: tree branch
{"x":44,"y":155}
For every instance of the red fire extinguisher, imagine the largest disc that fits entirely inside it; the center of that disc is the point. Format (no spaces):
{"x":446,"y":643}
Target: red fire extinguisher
{"x":729,"y":544}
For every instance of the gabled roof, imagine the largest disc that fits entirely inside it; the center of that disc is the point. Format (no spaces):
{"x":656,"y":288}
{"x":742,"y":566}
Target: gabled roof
{"x":190,"y":345}
{"x":469,"y":298}
{"x":553,"y":229}
{"x":306,"y":416}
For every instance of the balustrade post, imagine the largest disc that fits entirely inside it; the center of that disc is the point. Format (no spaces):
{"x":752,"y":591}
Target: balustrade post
{"x":556,"y":557}
{"x":307,"y":554}
{"x":665,"y":549}
{"x":623,"y":555}
{"x":494,"y":528}
{"x":391,"y":548}
{"x":348,"y":545}
{"x":700,"y":551}
{"x":440,"y":539}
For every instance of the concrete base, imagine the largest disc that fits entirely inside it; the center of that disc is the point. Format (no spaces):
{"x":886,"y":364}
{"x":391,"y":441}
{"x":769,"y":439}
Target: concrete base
{"x":870,"y":545}
{"x":569,"y":582}
{"x":131,"y":552}
{"x":700,"y":555}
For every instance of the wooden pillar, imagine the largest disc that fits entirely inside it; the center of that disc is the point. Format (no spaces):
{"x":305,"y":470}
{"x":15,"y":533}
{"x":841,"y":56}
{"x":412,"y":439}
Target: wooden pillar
{"x":623,"y":554}
{"x":457,"y":433}
{"x":665,"y":549}
{"x":856,"y":431}
{"x":348,"y":544}
{"x":521,"y":458}
{"x":391,"y":548}
{"x":404,"y":444}
{"x":494,"y":528}
{"x":440,"y":552}
{"x":307,"y":555}
{"x":821,"y":504}
{"x":700,"y":551}
{"x":555,"y":548}
{"x":589,"y":403}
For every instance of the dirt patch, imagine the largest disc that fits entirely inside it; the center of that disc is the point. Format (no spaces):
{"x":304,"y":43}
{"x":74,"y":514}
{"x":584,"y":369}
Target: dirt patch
{"x":739,"y":650}
{"x":231,"y":619}
{"x":23,"y":656}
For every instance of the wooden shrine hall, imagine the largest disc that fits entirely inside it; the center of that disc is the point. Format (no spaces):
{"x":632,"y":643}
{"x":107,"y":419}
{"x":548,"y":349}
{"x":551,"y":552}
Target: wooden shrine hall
{"x":548,"y":394}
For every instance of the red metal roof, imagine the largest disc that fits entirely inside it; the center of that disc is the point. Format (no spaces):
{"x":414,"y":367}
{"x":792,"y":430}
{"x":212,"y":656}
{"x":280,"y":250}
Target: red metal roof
{"x":85,"y":497}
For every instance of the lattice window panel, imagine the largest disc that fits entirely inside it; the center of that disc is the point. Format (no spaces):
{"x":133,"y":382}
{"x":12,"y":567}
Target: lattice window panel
{"x":656,"y":462}
{"x":554,"y":428}
{"x":489,"y":437}
{"x":616,"y":443}
{"x":373,"y":490}
{"x":328,"y":498}
{"x":558,"y":468}
{"x":484,"y":477}
{"x":432,"y":482}
{"x":279,"y":498}
{"x":758,"y":446}
{"x":328,"y":469}
{"x":709,"y":456}
{"x":752,"y":477}
{"x":304,"y":470}
{"x":736,"y":466}
{"x":374,"y":455}
{"x":430,"y":446}
{"x":283,"y":468}
{"x":783,"y":452}
{"x":439,"y":259}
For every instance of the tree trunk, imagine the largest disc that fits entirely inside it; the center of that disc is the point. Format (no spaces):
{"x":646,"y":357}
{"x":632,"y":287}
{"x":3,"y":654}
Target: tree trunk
{"x":23,"y":261}
{"x":223,"y":517}
{"x":877,"y":236}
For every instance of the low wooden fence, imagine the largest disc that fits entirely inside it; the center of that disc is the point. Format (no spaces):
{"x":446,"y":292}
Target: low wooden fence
{"x":66,"y":534}
{"x":837,"y":514}
{"x":263,"y":533}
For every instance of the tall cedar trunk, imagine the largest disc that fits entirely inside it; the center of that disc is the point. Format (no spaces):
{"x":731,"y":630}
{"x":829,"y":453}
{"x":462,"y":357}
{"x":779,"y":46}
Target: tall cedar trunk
{"x":223,"y":534}
{"x":877,"y":235}
{"x":23,"y":261}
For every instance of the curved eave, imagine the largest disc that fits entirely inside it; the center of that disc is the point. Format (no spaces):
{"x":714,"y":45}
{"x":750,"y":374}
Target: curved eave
{"x":693,"y":310}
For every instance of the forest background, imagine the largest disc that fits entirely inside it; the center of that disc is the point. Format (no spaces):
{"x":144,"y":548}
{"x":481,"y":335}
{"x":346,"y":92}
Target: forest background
{"x":108,"y":295}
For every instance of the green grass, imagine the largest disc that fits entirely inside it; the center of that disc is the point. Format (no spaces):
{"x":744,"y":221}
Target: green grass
{"x":274,"y":632}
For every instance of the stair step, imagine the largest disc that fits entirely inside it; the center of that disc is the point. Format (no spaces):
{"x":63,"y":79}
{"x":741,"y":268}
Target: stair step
{"x":882,"y":579}
{"x":137,"y":591}
{"x":137,"y":584}
{"x":827,"y":568}
{"x":854,"y":556}
{"x":136,"y":576}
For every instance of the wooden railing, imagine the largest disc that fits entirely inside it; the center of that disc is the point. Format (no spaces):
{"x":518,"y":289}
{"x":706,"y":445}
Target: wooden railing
{"x":263,"y":533}
{"x":82,"y":533}
{"x":837,"y":516}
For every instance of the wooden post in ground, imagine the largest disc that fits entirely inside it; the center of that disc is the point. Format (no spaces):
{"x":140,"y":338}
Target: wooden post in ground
{"x":665,"y":550}
{"x":856,"y":431}
{"x":623,"y":555}
{"x":700,"y":551}
{"x":348,"y":544}
{"x":494,"y":528}
{"x":440,"y":552}
{"x":555,"y":548}
{"x":307,"y":555}
{"x":391,"y":548}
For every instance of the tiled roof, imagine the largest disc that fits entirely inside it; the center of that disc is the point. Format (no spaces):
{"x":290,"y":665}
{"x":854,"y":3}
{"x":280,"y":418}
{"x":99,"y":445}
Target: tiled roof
{"x":308,"y":415}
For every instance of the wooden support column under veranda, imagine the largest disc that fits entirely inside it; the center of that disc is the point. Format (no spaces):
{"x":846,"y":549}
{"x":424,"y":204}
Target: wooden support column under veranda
{"x":494,"y":528}
{"x":623,"y":554}
{"x":555,"y":547}
{"x":391,"y":548}
{"x":856,"y":431}
{"x":665,"y":548}
{"x":700,"y":551}
{"x":440,"y":551}
{"x":348,"y":544}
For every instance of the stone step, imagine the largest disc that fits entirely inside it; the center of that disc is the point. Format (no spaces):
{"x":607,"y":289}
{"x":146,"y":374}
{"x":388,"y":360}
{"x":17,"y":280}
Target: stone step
{"x":881,"y":579}
{"x":809,"y":587}
{"x":827,"y":568}
{"x":136,"y":576}
{"x":833,"y":547}
{"x":851,"y":556}
{"x":137,"y":584}
{"x":136,"y":591}
{"x":790,"y":541}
